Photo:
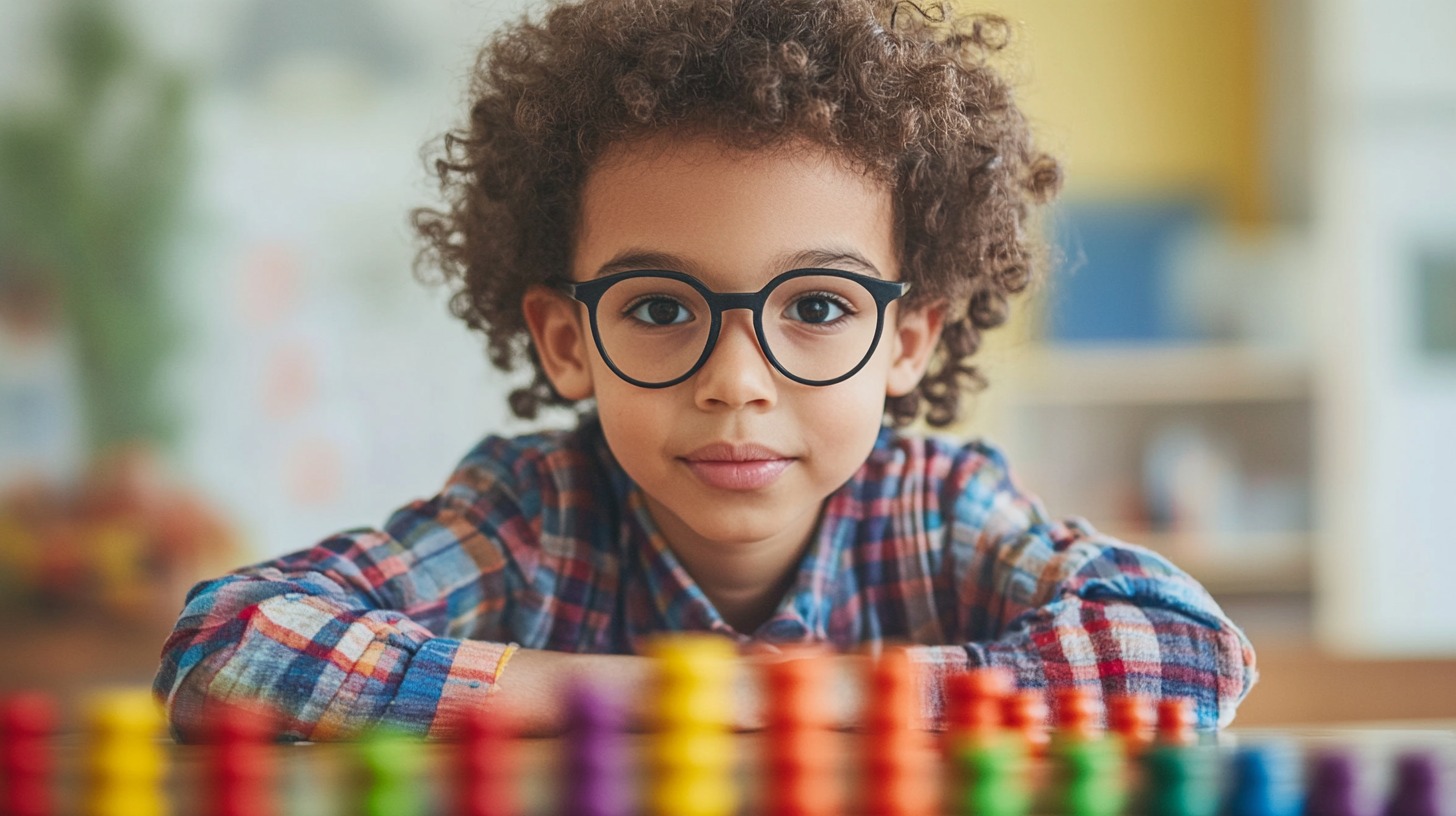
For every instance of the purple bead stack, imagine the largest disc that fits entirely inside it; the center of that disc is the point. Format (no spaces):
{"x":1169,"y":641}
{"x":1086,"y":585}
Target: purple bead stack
{"x":1332,"y":788}
{"x":1417,"y":787}
{"x":597,"y":774}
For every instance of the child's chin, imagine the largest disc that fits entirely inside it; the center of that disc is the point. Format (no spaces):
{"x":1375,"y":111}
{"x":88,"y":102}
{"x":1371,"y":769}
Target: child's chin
{"x":734,"y":530}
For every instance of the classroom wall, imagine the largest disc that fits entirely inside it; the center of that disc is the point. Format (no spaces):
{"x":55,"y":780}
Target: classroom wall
{"x":1146,"y":95}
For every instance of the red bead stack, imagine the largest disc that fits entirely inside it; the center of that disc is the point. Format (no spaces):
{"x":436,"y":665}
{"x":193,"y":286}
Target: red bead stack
{"x":27,"y":723}
{"x":1130,"y":716}
{"x":241,"y":773}
{"x":1076,"y":713}
{"x":898,"y":782}
{"x":800,"y":752}
{"x":1177,"y":723}
{"x":485,"y":766}
{"x":1025,"y":713}
{"x":975,"y":700}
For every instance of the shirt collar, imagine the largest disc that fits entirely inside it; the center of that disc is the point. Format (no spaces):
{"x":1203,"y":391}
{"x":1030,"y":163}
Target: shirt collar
{"x":675,"y":602}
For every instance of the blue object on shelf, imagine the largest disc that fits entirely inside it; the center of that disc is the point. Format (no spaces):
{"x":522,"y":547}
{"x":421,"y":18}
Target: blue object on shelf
{"x":1113,"y":281}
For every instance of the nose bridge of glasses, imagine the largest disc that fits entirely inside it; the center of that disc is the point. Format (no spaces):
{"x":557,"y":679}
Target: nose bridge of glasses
{"x":725,"y":335}
{"x":737,"y":300}
{"x":726,"y":327}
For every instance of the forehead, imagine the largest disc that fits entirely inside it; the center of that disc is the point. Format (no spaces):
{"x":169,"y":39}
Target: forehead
{"x":732,"y":217}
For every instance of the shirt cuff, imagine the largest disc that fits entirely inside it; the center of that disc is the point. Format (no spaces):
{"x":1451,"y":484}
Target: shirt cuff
{"x":446,"y":679}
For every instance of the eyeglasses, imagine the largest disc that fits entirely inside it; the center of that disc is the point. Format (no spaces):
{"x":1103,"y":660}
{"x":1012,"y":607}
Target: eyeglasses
{"x":656,"y":328}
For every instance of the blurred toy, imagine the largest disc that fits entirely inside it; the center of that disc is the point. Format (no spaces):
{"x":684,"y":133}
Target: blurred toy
{"x":126,"y":541}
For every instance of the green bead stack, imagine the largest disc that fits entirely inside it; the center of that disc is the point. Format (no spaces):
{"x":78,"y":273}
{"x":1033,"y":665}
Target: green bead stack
{"x":393,"y":765}
{"x":991,"y":778}
{"x":1179,"y":780}
{"x":1089,"y":777}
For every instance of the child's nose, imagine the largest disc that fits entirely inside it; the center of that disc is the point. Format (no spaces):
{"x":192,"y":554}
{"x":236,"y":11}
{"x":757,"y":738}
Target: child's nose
{"x":737,"y":373}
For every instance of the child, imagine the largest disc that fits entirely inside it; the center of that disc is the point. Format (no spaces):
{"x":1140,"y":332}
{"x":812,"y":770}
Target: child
{"x":737,"y":235}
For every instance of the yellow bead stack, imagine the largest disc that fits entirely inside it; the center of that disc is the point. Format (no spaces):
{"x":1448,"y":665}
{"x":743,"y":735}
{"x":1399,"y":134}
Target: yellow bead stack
{"x":125,"y":762}
{"x":692,"y":754}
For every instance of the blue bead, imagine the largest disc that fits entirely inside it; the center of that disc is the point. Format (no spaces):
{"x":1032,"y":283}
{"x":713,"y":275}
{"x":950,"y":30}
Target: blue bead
{"x":1264,"y":782}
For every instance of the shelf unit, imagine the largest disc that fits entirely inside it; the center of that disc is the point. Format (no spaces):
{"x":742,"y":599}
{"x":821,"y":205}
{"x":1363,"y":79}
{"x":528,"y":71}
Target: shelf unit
{"x":1157,"y":375}
{"x":1078,"y":424}
{"x":1239,"y":564}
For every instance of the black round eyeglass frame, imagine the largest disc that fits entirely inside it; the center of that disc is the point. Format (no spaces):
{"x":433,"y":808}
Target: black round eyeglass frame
{"x":589,"y":293}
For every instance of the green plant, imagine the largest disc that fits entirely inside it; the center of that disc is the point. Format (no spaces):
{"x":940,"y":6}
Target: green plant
{"x":91,"y":185}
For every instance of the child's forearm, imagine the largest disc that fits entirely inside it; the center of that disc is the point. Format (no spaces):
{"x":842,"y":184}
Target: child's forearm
{"x":533,"y":693}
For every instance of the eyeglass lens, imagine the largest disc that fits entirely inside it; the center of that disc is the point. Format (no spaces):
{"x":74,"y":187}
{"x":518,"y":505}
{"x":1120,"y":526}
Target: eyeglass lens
{"x":818,"y":327}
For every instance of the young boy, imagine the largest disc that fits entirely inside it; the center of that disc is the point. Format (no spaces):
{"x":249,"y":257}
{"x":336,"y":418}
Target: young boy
{"x":739,"y":235}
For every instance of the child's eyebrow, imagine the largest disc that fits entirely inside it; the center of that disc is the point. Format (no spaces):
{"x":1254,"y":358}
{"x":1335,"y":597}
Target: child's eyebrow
{"x":633,"y":259}
{"x":830,"y":257}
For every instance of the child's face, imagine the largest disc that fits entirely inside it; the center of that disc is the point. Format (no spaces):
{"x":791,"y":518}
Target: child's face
{"x":734,"y":221}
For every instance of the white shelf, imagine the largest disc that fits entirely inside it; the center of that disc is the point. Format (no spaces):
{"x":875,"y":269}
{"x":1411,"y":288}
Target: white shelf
{"x":1154,"y":374}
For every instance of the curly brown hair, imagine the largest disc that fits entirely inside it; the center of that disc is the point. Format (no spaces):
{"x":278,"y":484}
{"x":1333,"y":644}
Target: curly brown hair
{"x":903,"y":90}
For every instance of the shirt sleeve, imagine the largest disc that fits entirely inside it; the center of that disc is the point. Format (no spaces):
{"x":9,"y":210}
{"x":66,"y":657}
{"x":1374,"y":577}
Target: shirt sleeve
{"x":368,"y":628}
{"x":1059,"y":604}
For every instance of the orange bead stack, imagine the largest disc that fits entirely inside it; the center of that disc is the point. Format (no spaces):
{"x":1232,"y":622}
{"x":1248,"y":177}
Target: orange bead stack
{"x":898,"y":780}
{"x":800,"y":762}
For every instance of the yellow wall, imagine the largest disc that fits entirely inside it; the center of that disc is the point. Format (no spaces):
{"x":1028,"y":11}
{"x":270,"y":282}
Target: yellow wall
{"x":1143,"y":95}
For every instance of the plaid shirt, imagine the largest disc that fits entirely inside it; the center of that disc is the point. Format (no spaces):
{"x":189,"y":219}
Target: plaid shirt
{"x":543,"y":541}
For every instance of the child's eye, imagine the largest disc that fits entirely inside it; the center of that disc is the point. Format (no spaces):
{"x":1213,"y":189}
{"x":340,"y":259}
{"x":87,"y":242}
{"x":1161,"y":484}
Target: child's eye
{"x":658,"y":311}
{"x":817,"y":308}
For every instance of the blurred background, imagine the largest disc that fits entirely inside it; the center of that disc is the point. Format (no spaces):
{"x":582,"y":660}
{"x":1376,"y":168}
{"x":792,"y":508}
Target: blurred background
{"x":212,"y":350}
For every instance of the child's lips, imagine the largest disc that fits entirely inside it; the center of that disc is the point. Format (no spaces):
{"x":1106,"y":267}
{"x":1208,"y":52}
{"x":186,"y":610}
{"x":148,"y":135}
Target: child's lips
{"x":738,"y":475}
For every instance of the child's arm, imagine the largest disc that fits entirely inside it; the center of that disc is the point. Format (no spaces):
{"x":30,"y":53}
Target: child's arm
{"x":324,"y":638}
{"x":373,"y":627}
{"x":1059,"y":604}
{"x":336,"y":638}
{"x":307,"y":636}
{"x":1079,"y":608}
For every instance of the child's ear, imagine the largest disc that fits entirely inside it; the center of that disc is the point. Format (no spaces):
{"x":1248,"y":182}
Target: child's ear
{"x":914,"y":336}
{"x":561,"y":339}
